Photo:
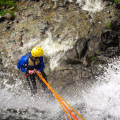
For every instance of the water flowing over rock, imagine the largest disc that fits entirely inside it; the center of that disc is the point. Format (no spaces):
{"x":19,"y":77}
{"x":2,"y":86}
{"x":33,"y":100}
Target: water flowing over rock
{"x":77,"y":43}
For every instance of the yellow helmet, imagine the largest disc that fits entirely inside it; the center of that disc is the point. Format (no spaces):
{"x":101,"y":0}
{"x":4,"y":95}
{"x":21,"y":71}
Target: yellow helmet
{"x":37,"y":52}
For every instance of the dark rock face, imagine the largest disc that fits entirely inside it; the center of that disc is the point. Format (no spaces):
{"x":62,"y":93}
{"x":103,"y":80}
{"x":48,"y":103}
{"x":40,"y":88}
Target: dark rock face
{"x":81,"y":47}
{"x":118,"y":5}
{"x":111,"y":40}
{"x":2,"y":19}
{"x":85,"y":49}
{"x":115,"y":25}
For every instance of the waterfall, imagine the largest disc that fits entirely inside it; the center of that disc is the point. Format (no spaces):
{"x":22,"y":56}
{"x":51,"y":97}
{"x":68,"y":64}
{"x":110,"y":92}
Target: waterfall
{"x":101,"y":101}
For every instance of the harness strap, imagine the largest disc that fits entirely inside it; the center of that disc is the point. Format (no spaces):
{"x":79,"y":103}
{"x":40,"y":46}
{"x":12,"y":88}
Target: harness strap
{"x":29,"y":74}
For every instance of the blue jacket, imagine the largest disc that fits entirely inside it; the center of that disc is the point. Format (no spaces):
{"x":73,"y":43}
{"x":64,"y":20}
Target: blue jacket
{"x":22,"y":63}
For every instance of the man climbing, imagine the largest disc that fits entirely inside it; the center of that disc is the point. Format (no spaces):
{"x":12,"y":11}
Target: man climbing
{"x":30,"y":62}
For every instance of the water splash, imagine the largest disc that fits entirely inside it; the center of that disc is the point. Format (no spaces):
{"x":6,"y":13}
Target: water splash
{"x":17,"y":102}
{"x":91,"y":5}
{"x":103,"y":99}
{"x":55,"y":50}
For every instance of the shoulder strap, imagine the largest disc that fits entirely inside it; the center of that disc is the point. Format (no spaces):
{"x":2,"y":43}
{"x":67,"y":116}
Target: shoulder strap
{"x":27,"y":59}
{"x":32,"y":60}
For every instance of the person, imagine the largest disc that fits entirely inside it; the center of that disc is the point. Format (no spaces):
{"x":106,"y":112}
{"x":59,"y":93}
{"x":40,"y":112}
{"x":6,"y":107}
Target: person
{"x":30,"y":62}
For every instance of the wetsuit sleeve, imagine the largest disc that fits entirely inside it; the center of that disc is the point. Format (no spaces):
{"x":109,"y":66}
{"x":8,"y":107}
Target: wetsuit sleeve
{"x":22,"y":63}
{"x":40,"y":68}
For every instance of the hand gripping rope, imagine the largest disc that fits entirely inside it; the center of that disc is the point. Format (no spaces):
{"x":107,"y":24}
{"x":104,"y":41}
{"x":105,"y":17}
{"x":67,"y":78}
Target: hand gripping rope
{"x":61,"y":101}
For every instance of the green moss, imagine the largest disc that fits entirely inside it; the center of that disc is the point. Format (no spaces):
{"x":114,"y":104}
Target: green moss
{"x":5,"y":6}
{"x":116,"y":1}
{"x":109,"y":25}
{"x":2,"y":13}
{"x":93,"y":59}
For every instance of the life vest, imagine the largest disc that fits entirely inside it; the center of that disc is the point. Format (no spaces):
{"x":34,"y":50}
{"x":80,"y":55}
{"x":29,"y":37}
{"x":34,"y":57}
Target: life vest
{"x":33,"y":64}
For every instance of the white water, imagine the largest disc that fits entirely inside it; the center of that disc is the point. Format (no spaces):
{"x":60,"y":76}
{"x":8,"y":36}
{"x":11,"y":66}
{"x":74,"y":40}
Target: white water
{"x":91,"y":5}
{"x":55,"y":50}
{"x":102,"y":101}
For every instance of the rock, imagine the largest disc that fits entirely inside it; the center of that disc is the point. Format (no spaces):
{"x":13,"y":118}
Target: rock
{"x":2,"y":18}
{"x":67,"y":72}
{"x":43,"y":27}
{"x":41,"y":3}
{"x":81,"y":47}
{"x":109,"y":38}
{"x":28,"y":13}
{"x":6,"y":28}
{"x":73,"y":61}
{"x":19,"y":38}
{"x":0,"y":60}
{"x":71,"y":53}
{"x":9,"y":16}
{"x":93,"y":44}
{"x":115,"y":25}
{"x":118,"y":5}
{"x":83,"y":51}
{"x":111,"y":51}
{"x":16,"y":14}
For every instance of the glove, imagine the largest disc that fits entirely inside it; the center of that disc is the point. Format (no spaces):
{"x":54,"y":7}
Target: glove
{"x":31,"y":71}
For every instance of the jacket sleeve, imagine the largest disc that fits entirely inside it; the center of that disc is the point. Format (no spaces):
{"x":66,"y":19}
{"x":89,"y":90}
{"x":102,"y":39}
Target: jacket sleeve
{"x":41,"y":64}
{"x":22,"y":63}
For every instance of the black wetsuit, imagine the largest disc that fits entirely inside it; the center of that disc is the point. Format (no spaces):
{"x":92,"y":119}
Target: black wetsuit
{"x":31,"y":79}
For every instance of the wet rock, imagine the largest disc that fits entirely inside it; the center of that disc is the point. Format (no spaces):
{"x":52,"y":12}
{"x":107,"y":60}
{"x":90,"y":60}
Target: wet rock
{"x":71,"y":53}
{"x":19,"y":38}
{"x":6,"y":28}
{"x":115,"y":25}
{"x":0,"y":61}
{"x":43,"y":27}
{"x":118,"y":5}
{"x":109,"y":38}
{"x":81,"y":47}
{"x":84,"y":50}
{"x":9,"y":16}
{"x":67,"y":72}
{"x":73,"y":61}
{"x":93,"y":45}
{"x":111,"y":51}
{"x":28,"y":13}
{"x":41,"y":3}
{"x":86,"y":61}
{"x":2,"y":18}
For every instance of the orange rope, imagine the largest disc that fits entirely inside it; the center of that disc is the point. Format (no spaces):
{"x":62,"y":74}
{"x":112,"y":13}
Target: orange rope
{"x":67,"y":109}
{"x":59,"y":98}
{"x":62,"y":107}
{"x":70,"y":106}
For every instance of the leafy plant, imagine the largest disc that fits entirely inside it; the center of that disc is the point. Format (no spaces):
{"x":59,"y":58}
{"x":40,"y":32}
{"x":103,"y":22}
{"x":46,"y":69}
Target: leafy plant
{"x":5,"y":6}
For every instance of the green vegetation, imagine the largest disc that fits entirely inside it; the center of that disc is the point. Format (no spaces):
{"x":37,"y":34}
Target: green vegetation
{"x":93,"y":59}
{"x":109,"y":25}
{"x":7,"y":6}
{"x":116,"y":1}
